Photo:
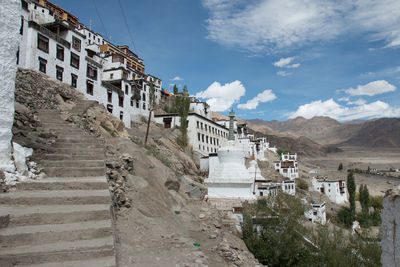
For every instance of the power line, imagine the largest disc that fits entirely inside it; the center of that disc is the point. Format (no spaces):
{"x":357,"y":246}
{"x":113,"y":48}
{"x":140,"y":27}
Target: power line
{"x":101,"y":21}
{"x":127,"y":25}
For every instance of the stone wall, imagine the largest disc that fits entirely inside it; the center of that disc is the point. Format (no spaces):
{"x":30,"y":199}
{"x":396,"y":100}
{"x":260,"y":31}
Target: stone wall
{"x":9,"y":36}
{"x":391,"y":231}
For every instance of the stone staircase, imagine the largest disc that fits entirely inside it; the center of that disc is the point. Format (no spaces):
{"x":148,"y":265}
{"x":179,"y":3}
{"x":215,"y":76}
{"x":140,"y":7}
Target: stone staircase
{"x":64,"y":219}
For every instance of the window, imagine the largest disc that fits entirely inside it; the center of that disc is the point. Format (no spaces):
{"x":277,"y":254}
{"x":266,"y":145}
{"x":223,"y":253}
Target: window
{"x":59,"y":73}
{"x":126,"y":89}
{"x":24,"y":5}
{"x":111,"y":76}
{"x":207,"y":139}
{"x":144,"y":98}
{"x":91,"y":72}
{"x":74,"y":80}
{"x":144,"y":106}
{"x":89,"y":87}
{"x":43,"y":43}
{"x":198,"y":125}
{"x":198,"y":136}
{"x":42,"y":64}
{"x":205,"y":127}
{"x":137,"y":104}
{"x":121,"y":115}
{"x":202,"y":138}
{"x":131,"y":102}
{"x":60,"y":52}
{"x":74,"y":60}
{"x":21,"y":29}
{"x":109,"y":96}
{"x":18,"y":56}
{"x":110,"y":108}
{"x":121,"y":100}
{"x":76,"y":43}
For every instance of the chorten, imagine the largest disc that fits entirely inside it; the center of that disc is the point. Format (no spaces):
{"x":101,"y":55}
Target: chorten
{"x":230,"y":178}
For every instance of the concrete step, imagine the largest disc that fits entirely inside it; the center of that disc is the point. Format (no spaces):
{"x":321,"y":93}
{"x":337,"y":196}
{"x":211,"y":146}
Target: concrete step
{"x":51,"y":233}
{"x":74,"y":171}
{"x":98,"y":262}
{"x":65,"y":183}
{"x":56,"y":197}
{"x":76,"y":150}
{"x":57,"y":156}
{"x":54,"y":214}
{"x":73,"y":163}
{"x":58,"y":252}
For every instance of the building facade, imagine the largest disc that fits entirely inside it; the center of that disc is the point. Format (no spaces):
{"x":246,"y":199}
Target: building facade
{"x":56,"y":44}
{"x":334,"y":189}
{"x":287,"y":166}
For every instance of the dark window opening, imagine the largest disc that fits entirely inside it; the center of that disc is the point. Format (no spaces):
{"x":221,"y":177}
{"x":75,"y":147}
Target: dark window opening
{"x":89,"y":87}
{"x":137,"y":104}
{"x":126,"y":89}
{"x":43,"y":43}
{"x":74,"y":60}
{"x":91,"y":72}
{"x":144,"y":106}
{"x":121,"y":100}
{"x":18,"y":56}
{"x":144,"y":98}
{"x":24,"y":5}
{"x":42,"y":65}
{"x":109,"y":96}
{"x":167,"y":122}
{"x":74,"y":80}
{"x":110,"y":108}
{"x":60,"y":52}
{"x":21,"y":29}
{"x":121,"y":115}
{"x":59,"y":73}
{"x":76,"y":43}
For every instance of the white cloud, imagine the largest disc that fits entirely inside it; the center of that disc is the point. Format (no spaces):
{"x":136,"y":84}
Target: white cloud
{"x":344,"y":99}
{"x":358,"y":102}
{"x":293,"y":66}
{"x":177,"y":78}
{"x":283,"y":73}
{"x":276,"y":25}
{"x":372,"y":88}
{"x":263,"y":97}
{"x":334,"y":110}
{"x":283,"y":62}
{"x":222,"y":97}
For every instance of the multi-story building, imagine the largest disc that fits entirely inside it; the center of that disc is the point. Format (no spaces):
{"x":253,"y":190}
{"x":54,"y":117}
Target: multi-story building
{"x":334,"y":189}
{"x":55,"y":43}
{"x":205,"y":135}
{"x":316,"y":213}
{"x":287,"y":167}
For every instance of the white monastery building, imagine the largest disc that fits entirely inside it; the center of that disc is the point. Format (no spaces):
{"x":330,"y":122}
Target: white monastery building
{"x":334,"y":189}
{"x":56,"y":44}
{"x":287,"y":167}
{"x":316,"y":213}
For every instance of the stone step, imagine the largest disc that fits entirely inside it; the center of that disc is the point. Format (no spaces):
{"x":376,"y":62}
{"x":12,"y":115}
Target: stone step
{"x":98,"y":262}
{"x":51,"y":233}
{"x":79,"y":139}
{"x":74,"y":171}
{"x":56,"y":197}
{"x":58,"y":252}
{"x":41,"y":234}
{"x":57,"y":156}
{"x":65,"y":183}
{"x":20,"y":215}
{"x":73,"y":163}
{"x":75,"y":150}
{"x":86,"y":145}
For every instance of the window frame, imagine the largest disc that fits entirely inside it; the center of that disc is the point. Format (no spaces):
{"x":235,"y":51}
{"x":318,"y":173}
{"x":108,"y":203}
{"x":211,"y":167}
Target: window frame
{"x":43,"y":39}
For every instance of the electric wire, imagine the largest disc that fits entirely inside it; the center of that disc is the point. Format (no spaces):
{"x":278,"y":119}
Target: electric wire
{"x":101,"y":21}
{"x":127,"y":25}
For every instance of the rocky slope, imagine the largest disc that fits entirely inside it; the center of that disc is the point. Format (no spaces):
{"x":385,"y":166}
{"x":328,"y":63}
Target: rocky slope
{"x":156,"y":188}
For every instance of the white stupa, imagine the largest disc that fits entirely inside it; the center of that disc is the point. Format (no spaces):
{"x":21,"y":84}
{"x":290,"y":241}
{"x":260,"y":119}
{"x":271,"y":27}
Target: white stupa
{"x":230,"y":178}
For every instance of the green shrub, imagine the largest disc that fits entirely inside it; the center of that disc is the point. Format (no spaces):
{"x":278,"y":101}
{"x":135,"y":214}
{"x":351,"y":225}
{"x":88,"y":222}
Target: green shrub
{"x":301,"y":184}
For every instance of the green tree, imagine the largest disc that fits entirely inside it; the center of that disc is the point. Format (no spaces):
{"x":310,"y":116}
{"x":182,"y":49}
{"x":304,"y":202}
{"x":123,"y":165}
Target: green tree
{"x":175,"y":90}
{"x":340,"y":166}
{"x":351,"y":187}
{"x":181,"y":106}
{"x":364,"y":198}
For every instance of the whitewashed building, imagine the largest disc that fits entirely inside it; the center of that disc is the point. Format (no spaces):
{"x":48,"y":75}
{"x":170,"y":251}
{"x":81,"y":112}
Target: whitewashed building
{"x":334,"y":189}
{"x":205,"y":135}
{"x":287,"y":166}
{"x":316,"y":213}
{"x":56,"y":44}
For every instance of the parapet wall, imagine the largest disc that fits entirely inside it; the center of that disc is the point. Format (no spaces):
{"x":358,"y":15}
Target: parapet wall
{"x":10,"y":20}
{"x":391,"y":231}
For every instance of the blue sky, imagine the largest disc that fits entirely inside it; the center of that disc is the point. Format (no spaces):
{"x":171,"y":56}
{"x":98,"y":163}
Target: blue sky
{"x":269,"y":59}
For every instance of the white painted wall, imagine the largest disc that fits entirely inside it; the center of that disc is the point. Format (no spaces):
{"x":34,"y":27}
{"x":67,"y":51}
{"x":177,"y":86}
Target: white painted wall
{"x":331,"y":189}
{"x":10,"y":37}
{"x":316,"y":213}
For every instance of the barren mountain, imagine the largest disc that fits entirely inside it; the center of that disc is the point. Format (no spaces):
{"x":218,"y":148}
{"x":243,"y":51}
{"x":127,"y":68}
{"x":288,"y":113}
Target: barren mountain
{"x":323,"y":130}
{"x":379,"y":133}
